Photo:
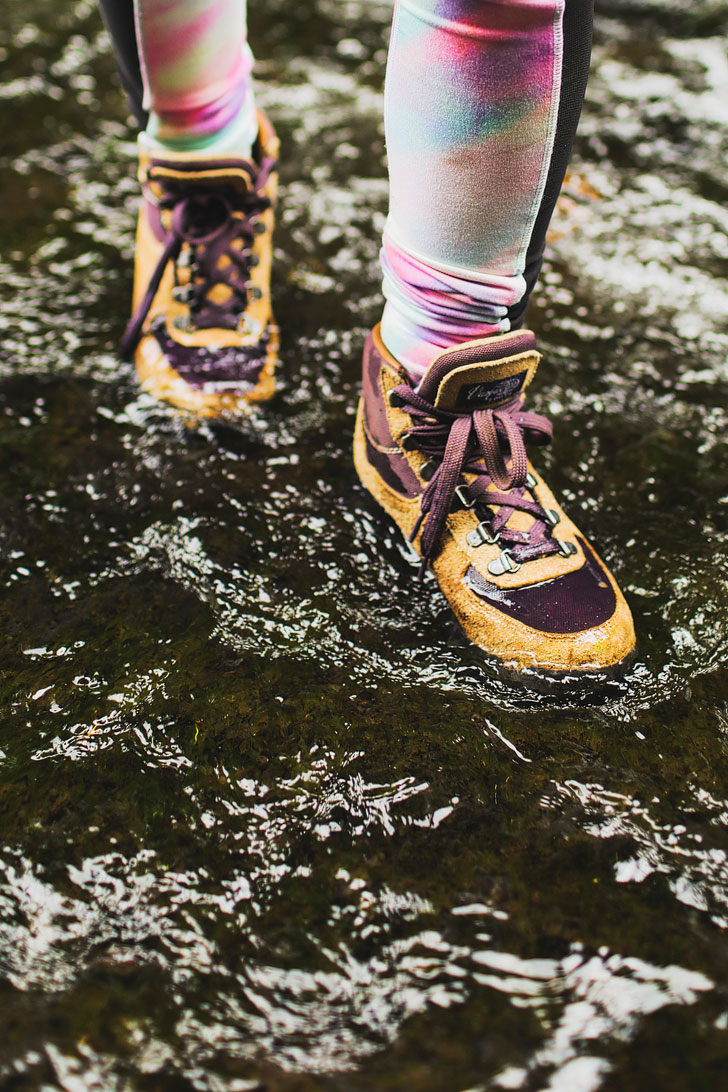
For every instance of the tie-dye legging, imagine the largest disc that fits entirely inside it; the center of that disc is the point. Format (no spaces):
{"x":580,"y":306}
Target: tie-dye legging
{"x":185,"y":64}
{"x":482,"y":100}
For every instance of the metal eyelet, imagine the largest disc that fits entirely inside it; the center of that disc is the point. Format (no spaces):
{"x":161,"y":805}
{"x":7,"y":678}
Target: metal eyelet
{"x":253,"y":260}
{"x":254,"y":293}
{"x":482,"y":536}
{"x":259,"y":227}
{"x":566,"y":549}
{"x":249,"y":325}
{"x":504,"y":563}
{"x":463,"y":495}
{"x":427,"y":470}
{"x":552,"y":516}
{"x":530,"y":480}
{"x":182,"y":322}
{"x":394,"y":399}
{"x":181,"y":293}
{"x":407,"y":442}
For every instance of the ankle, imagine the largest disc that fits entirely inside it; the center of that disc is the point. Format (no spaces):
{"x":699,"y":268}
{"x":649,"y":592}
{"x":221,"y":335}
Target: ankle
{"x":415,"y":344}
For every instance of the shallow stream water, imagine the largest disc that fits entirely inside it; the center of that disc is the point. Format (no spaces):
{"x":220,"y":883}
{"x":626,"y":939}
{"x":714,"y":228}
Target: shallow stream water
{"x":265,"y":820}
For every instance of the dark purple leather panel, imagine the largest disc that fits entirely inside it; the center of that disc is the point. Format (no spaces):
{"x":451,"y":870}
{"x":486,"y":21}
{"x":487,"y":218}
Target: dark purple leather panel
{"x":201,"y":366}
{"x":394,"y":470}
{"x":567,"y":604}
{"x":154,"y":219}
{"x":376,"y":411}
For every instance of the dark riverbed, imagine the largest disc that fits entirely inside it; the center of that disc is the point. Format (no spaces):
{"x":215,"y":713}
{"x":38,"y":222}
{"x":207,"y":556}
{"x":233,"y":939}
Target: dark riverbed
{"x":265,"y":822}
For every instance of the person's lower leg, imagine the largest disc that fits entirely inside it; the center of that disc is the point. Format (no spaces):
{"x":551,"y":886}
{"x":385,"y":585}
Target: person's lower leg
{"x":481,"y":105}
{"x":196,"y":67}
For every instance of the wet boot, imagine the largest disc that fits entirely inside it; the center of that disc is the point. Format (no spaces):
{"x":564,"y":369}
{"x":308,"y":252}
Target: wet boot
{"x":202,"y":335}
{"x":447,"y":460}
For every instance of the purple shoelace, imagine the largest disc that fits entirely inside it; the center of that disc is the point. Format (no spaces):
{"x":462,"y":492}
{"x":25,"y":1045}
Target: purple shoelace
{"x":490,"y":443}
{"x":212,"y":221}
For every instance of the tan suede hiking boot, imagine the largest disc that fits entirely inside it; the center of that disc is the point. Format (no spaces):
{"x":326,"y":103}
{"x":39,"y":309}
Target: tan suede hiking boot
{"x":202,"y":334}
{"x":447,"y":461}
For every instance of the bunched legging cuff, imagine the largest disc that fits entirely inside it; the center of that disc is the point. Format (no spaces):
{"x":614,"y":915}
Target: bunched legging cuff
{"x":186,"y":67}
{"x":482,"y":101}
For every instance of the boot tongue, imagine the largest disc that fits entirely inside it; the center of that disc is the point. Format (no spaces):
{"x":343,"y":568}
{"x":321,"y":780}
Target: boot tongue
{"x":481,"y":374}
{"x":194,"y":172}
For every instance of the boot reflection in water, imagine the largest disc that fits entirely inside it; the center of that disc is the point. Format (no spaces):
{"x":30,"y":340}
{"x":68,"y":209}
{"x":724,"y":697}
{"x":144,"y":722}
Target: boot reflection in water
{"x":482,"y":100}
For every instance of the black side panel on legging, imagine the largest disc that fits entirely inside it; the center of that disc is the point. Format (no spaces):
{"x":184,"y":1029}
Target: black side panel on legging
{"x":578,"y":21}
{"x":119,"y":18}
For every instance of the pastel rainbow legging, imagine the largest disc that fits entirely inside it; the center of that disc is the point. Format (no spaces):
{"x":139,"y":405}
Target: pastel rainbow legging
{"x":196,"y":66}
{"x":471,"y":110}
{"x":482,"y":98}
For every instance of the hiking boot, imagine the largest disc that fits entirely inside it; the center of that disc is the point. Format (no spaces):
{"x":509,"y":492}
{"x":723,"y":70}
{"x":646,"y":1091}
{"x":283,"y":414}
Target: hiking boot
{"x":202,"y":333}
{"x":447,"y":460}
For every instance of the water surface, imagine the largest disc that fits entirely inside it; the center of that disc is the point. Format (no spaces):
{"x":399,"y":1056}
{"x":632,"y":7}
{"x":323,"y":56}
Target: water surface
{"x":265,"y":820}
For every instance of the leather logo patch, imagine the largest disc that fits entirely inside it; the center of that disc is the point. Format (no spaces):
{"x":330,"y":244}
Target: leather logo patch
{"x":489,"y":393}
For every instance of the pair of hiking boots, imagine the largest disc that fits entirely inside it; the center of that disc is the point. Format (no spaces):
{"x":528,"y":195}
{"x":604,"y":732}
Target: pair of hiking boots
{"x":446,"y":459}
